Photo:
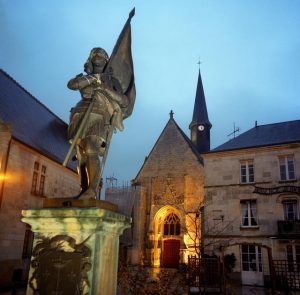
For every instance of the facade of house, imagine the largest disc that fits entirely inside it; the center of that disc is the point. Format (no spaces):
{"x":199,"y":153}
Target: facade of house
{"x":33,"y":143}
{"x":252,"y":194}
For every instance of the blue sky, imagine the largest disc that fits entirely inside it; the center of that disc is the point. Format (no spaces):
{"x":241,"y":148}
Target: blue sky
{"x":250,"y":54}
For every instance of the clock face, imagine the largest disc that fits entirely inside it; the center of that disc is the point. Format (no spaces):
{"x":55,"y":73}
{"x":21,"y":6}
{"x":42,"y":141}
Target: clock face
{"x":201,"y":127}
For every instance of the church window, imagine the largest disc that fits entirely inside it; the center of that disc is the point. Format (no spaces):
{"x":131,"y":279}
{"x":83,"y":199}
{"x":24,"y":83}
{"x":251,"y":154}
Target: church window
{"x":249,"y":214}
{"x":247,"y":172}
{"x":287,"y":168}
{"x":172,"y":225}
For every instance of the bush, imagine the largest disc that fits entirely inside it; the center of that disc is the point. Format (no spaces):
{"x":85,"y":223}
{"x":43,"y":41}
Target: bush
{"x":229,"y":262}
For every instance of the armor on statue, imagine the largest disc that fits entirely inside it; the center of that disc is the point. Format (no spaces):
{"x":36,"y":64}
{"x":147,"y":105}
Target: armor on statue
{"x":107,"y":98}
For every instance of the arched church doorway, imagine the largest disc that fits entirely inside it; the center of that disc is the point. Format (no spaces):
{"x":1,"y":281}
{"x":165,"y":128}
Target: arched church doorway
{"x":171,"y":242}
{"x":166,"y":237}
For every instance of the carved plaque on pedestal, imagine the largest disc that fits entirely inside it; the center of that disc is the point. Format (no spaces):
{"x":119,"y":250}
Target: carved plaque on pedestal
{"x":59,"y":273}
{"x":61,"y":267}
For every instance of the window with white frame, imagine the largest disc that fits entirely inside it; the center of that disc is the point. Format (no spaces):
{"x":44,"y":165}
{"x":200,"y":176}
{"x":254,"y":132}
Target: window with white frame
{"x":287,"y":167}
{"x":249,"y":213}
{"x":290,"y":209}
{"x":247,"y":171}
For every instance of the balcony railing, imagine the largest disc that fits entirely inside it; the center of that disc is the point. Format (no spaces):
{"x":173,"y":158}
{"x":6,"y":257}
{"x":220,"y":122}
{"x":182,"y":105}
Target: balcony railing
{"x":288,"y":228}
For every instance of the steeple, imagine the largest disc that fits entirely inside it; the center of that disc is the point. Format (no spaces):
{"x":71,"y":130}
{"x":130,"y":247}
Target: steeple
{"x":200,"y":125}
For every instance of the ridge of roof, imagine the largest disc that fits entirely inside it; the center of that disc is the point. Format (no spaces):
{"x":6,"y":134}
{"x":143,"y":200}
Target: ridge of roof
{"x":32,"y":96}
{"x":263,"y":135}
{"x":189,"y":142}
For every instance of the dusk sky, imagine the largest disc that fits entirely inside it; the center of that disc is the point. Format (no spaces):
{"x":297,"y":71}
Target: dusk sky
{"x":249,"y":52}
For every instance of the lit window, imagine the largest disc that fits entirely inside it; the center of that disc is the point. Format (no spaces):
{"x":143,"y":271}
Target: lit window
{"x":287,"y":168}
{"x":249,"y":214}
{"x":172,"y":225}
{"x":42,"y":181}
{"x":290,"y":210}
{"x":247,"y":172}
{"x":35,"y":177}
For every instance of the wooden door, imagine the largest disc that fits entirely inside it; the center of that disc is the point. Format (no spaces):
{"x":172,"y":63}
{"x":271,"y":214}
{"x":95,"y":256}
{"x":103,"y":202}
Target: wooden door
{"x":171,"y":253}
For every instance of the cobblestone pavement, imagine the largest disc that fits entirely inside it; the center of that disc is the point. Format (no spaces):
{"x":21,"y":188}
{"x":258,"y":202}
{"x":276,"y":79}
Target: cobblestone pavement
{"x":155,"y":281}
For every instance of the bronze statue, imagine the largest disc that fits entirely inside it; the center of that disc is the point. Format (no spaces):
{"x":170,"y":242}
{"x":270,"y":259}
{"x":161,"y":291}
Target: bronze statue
{"x":108,"y":94}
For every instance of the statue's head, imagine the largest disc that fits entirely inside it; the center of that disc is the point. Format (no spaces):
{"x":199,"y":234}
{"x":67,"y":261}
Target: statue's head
{"x":96,"y":62}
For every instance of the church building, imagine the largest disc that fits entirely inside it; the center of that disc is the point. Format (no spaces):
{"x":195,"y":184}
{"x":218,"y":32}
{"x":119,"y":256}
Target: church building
{"x":166,"y":212}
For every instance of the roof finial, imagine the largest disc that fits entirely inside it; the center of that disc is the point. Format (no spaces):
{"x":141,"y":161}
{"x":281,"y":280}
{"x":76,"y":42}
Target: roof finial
{"x":171,"y":114}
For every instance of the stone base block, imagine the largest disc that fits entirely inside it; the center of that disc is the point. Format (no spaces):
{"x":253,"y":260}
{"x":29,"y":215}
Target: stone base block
{"x":75,"y":250}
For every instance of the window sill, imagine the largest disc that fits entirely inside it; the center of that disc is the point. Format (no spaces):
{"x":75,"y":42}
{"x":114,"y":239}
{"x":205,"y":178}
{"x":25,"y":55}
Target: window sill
{"x":288,"y":181}
{"x":38,"y":195}
{"x":247,"y":183}
{"x":249,"y":227}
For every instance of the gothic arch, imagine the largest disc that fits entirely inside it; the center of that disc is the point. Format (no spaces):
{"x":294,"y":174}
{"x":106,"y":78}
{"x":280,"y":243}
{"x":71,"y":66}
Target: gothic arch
{"x":158,"y":229}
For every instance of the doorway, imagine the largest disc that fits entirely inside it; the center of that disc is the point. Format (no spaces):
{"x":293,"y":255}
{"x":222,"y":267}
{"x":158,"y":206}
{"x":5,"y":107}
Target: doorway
{"x":251,"y":265}
{"x":171,"y":253}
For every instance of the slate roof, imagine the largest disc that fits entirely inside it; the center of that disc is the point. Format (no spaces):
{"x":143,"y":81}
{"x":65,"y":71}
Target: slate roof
{"x":32,"y":123}
{"x":264,"y":135}
{"x":200,"y":110}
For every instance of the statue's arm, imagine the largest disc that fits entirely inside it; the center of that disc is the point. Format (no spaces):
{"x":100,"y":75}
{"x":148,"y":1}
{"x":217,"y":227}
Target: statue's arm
{"x":116,"y":96}
{"x":81,"y":81}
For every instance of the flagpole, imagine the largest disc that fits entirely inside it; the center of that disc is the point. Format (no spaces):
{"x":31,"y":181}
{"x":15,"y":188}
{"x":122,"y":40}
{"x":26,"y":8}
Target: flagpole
{"x":79,"y":132}
{"x":108,"y":140}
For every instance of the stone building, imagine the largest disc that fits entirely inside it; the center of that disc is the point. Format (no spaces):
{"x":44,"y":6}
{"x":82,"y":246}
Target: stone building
{"x":33,"y":144}
{"x":241,"y":197}
{"x":168,"y":193}
{"x":252,"y":194}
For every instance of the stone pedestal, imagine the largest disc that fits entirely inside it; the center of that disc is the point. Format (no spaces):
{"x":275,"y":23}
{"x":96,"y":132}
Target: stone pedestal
{"x":75,"y":250}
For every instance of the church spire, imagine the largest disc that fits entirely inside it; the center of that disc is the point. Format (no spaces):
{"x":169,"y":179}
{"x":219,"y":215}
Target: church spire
{"x":200,"y":125}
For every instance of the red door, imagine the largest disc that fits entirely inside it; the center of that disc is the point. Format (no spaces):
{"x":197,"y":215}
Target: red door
{"x":171,"y":253}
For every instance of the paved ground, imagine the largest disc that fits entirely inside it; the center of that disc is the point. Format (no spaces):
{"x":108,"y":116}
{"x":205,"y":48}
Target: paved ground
{"x":245,"y":290}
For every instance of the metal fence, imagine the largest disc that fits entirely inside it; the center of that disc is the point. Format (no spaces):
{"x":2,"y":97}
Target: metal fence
{"x":287,"y":274}
{"x":205,"y":274}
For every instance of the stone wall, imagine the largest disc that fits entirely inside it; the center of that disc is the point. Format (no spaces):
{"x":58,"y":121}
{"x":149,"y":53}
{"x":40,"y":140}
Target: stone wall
{"x":17,"y":195}
{"x":224,"y":194}
{"x":172,"y":179}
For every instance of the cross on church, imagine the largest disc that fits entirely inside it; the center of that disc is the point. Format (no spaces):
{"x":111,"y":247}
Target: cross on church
{"x":171,"y":114}
{"x":199,"y":63}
